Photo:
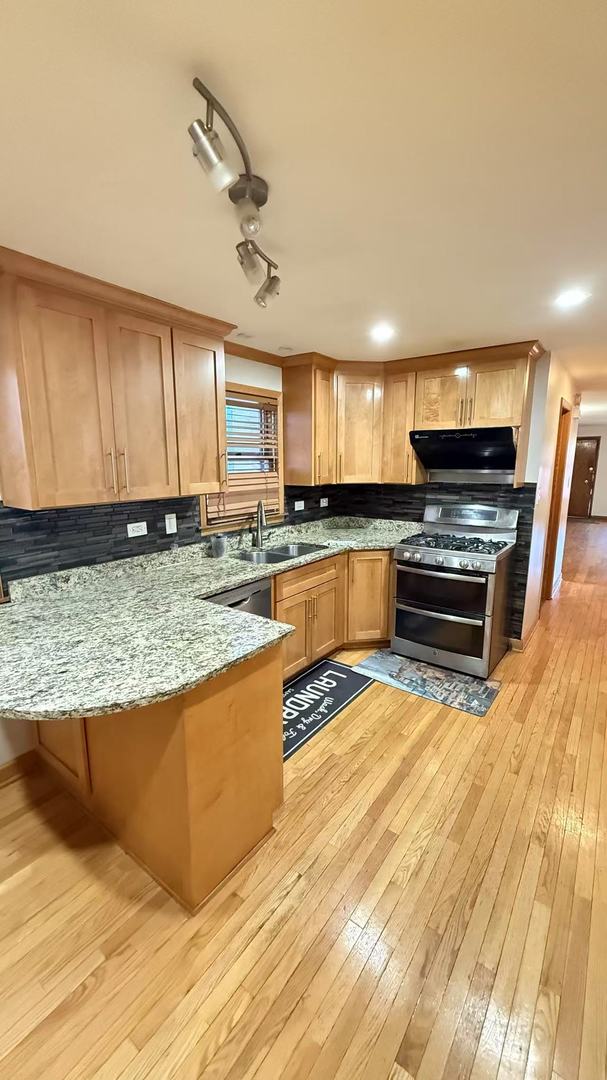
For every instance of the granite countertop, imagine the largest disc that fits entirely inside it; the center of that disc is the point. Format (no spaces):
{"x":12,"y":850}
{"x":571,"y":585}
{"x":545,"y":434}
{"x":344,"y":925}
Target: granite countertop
{"x":103,"y":638}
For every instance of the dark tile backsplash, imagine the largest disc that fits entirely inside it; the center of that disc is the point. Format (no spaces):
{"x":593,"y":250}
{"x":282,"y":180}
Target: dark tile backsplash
{"x":38,"y":542}
{"x":408,"y":502}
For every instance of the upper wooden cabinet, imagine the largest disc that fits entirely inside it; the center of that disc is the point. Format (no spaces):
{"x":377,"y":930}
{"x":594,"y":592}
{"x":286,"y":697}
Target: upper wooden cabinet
{"x":481,"y":393}
{"x":309,"y":422}
{"x":359,"y":426}
{"x":141,"y":368}
{"x":440,"y":396}
{"x":201,"y":405}
{"x":101,"y":404}
{"x":400,"y":464}
{"x":324,"y":426}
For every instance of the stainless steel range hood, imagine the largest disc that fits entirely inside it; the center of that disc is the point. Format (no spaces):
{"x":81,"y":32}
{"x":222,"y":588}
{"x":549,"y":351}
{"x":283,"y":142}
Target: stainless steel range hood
{"x":467,"y":455}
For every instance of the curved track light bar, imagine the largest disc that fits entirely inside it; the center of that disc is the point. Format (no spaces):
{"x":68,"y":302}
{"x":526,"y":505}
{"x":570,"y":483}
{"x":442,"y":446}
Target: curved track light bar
{"x":213,"y":105}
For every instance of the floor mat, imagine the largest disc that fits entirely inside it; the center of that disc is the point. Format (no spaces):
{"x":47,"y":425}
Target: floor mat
{"x":464,"y":692}
{"x":311,"y":700}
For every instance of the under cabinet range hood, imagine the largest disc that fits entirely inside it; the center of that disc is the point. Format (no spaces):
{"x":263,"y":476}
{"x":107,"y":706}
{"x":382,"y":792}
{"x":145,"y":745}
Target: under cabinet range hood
{"x":467,"y":455}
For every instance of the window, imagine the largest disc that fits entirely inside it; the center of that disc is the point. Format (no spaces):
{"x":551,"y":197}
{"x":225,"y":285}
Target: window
{"x":253,"y":457}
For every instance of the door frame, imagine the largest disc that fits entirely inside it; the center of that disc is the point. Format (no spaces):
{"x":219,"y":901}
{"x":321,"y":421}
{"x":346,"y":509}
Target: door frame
{"x":597,"y":440}
{"x":556,"y":498}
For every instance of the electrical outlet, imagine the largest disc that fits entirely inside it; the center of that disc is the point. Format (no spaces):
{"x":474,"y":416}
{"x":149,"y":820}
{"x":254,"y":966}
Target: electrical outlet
{"x":170,"y":523}
{"x":324,"y":502}
{"x":137,"y":528}
{"x":299,"y":504}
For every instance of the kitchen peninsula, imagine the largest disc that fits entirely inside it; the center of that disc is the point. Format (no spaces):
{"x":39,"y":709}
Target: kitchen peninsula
{"x":160,"y":711}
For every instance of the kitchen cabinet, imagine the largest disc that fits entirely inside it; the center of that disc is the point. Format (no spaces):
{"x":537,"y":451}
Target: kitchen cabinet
{"x":312,"y":600}
{"x":309,"y":422}
{"x":141,"y":367}
{"x":62,"y":744}
{"x":400,"y":464}
{"x":359,"y":428}
{"x":368,"y":596}
{"x":200,"y":401}
{"x":478,"y":394}
{"x":440,"y":398}
{"x":102,"y":403}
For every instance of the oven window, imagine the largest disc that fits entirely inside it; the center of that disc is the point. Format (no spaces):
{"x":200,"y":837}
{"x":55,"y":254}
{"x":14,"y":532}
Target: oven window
{"x":453,"y":593}
{"x":455,"y":637}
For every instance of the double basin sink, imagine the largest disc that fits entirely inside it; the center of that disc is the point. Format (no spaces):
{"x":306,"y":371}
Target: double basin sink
{"x":278,"y":554}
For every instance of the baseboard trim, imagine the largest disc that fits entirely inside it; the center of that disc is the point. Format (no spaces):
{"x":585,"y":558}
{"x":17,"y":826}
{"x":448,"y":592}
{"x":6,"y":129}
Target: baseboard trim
{"x":520,"y":644}
{"x":19,"y":766}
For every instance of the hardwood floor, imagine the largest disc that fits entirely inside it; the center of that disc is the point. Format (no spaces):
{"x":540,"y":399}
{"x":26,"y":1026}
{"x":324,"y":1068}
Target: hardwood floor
{"x":432,"y":904}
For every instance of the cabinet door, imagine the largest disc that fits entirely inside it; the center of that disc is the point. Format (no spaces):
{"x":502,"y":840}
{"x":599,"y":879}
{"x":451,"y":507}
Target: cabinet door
{"x":327,"y":622}
{"x":141,"y":364}
{"x":496,"y":393}
{"x":368,"y":595}
{"x":65,"y":359}
{"x":400,"y":464}
{"x":297,"y":611}
{"x":62,"y":743}
{"x":201,"y":422}
{"x":324,"y":427}
{"x":440,"y":398}
{"x":359,"y":399}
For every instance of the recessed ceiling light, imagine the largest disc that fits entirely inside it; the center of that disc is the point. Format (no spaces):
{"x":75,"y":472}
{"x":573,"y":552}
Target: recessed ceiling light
{"x":570,"y":298}
{"x":382,"y":332}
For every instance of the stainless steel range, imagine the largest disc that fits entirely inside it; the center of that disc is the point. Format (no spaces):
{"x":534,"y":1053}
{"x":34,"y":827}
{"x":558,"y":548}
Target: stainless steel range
{"x":451,"y":588}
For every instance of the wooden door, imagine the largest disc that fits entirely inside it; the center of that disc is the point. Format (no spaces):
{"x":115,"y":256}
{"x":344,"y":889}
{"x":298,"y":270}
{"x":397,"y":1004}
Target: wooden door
{"x":201,"y":413}
{"x":327,"y":622}
{"x":495,"y":393}
{"x":400,"y":464}
{"x":141,"y":364}
{"x":297,"y":611}
{"x":440,"y":397}
{"x":324,"y":427}
{"x":359,"y":400}
{"x":62,"y":744}
{"x":65,"y":358}
{"x":368,"y":595}
{"x":584,"y":476}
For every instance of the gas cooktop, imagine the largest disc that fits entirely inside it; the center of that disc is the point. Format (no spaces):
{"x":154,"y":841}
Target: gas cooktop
{"x":479,"y":545}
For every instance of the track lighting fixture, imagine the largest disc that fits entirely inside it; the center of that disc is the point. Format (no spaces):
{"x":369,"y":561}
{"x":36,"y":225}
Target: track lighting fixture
{"x":247,"y":191}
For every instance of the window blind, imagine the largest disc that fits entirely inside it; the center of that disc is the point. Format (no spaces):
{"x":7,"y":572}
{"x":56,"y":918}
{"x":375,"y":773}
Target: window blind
{"x":252,"y":457}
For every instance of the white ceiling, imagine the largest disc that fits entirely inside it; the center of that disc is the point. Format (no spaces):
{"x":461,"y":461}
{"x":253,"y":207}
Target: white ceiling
{"x":439,"y":164}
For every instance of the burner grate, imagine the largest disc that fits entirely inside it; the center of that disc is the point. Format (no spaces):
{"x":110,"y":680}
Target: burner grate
{"x":478,"y":545}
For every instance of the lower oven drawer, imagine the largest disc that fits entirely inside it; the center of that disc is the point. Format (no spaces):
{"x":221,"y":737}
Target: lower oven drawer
{"x":438,"y":631}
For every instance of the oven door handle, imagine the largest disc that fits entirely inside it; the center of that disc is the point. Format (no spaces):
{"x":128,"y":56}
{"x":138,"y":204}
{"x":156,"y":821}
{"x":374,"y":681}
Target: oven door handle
{"x":440,"y":615}
{"x":440,"y":574}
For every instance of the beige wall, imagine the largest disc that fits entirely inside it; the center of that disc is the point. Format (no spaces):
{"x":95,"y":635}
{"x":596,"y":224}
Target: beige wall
{"x":552,"y":383}
{"x":599,"y":501}
{"x":252,"y":373}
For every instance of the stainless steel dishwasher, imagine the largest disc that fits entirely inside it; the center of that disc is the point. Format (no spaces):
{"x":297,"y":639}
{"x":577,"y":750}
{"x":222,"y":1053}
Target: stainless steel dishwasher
{"x":256,"y":598}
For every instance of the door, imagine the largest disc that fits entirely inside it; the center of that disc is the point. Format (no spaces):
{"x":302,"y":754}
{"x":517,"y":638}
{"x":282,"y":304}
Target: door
{"x":368,"y":595}
{"x":466,"y":592}
{"x":556,"y":523}
{"x":440,"y":398}
{"x":327,"y":621}
{"x":495,"y":393}
{"x":399,"y":462}
{"x":359,"y":399}
{"x":65,"y":358}
{"x":201,"y":413}
{"x":297,"y":611}
{"x":584,"y":476}
{"x":141,"y":365}
{"x":323,"y":426}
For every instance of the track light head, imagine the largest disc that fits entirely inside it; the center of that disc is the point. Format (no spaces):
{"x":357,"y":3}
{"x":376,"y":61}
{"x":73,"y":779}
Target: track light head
{"x":249,"y":218}
{"x":250,"y":262}
{"x":210,"y":153}
{"x":269,"y":289}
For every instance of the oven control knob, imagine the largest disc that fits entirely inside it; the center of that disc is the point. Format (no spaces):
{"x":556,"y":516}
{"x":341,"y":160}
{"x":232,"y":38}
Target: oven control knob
{"x":464,"y":564}
{"x":439,"y":560}
{"x":477,"y":565}
{"x":416,"y":557}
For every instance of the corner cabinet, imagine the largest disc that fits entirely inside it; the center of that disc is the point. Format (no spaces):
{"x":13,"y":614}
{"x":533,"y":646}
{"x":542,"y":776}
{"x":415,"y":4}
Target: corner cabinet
{"x":369,"y":576}
{"x":312,"y":600}
{"x":400,"y":464}
{"x":102,"y":404}
{"x":308,"y":389}
{"x":359,"y":428}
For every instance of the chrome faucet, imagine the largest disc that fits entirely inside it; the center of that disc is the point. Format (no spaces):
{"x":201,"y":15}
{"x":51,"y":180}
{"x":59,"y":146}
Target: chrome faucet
{"x":259,"y":525}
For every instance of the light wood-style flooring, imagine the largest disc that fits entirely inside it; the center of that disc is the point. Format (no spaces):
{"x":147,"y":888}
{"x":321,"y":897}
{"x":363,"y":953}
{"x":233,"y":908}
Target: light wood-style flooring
{"x":432,"y":904}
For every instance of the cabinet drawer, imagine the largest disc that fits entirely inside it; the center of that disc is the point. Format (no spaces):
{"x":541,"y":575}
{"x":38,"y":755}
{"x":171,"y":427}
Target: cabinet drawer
{"x":307,"y":577}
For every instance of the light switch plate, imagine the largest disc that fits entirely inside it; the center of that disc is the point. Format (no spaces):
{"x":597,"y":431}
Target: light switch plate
{"x":324,"y":502}
{"x":299,"y":504}
{"x":137,"y":528}
{"x":170,"y":523}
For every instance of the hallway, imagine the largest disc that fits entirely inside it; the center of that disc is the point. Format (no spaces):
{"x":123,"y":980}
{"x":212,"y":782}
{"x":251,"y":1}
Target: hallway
{"x":432,"y":904}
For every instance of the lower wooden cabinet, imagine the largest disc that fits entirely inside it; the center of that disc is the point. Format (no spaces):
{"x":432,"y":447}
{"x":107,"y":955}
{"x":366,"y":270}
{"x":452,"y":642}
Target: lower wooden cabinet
{"x":368,"y":596}
{"x":62,"y":743}
{"x":317,"y":613}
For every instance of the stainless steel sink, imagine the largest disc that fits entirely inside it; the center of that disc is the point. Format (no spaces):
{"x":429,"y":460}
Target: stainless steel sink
{"x":293,"y":550}
{"x":261,"y":556}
